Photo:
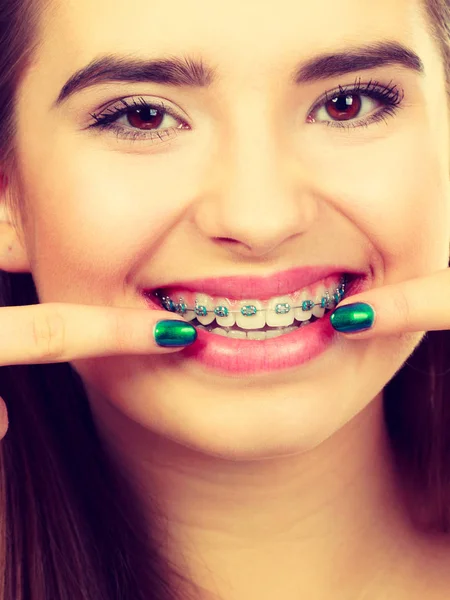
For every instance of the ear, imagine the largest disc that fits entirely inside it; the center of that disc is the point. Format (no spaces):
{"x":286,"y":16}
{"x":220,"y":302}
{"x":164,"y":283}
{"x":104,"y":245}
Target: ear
{"x":13,"y":255}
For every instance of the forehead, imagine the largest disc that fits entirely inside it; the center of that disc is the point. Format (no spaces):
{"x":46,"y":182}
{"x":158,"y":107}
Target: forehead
{"x":240,"y":37}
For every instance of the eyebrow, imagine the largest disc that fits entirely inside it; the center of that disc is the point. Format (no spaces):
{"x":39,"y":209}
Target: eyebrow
{"x":186,"y":71}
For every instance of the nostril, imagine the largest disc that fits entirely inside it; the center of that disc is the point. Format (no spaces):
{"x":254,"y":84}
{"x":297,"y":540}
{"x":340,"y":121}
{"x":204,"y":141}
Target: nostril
{"x":227,"y":240}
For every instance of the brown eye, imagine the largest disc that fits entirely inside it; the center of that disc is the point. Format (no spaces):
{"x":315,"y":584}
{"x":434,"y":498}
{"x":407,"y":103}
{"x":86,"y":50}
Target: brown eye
{"x":344,"y":107}
{"x":146,"y":117}
{"x":140,"y":120}
{"x":352,"y":107}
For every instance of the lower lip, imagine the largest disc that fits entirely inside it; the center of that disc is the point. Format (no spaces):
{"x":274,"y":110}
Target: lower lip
{"x":248,"y":357}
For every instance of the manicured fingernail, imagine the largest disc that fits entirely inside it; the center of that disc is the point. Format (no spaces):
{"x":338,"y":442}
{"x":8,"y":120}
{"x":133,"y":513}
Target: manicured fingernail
{"x":353,"y":318}
{"x":171,"y":334}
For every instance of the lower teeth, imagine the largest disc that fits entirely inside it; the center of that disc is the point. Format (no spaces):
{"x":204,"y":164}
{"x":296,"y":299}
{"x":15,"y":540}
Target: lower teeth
{"x":252,"y":334}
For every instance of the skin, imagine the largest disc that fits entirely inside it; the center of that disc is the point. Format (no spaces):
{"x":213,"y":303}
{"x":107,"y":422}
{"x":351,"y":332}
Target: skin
{"x":279,"y":485}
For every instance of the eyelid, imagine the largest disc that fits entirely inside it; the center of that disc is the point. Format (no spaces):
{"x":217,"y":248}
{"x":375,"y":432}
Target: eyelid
{"x":360,"y":88}
{"x":129,"y":102}
{"x":390,"y":97}
{"x":105,"y":120}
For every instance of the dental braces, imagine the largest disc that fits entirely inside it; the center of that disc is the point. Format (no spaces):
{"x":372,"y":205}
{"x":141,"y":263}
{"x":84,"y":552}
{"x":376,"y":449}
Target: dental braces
{"x":247,"y":311}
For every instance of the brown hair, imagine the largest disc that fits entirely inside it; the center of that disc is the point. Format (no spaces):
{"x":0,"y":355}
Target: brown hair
{"x":70,"y":525}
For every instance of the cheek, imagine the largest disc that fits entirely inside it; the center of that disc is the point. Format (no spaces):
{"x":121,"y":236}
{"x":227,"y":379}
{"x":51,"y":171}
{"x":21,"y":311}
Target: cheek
{"x":396,"y":193}
{"x":103,"y":216}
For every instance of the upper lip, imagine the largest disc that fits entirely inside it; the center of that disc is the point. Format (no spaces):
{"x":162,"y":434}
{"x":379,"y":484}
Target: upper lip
{"x":241,"y":287}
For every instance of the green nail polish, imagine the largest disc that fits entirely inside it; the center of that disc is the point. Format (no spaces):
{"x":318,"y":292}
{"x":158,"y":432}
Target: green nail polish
{"x":171,"y":334}
{"x":353,"y":318}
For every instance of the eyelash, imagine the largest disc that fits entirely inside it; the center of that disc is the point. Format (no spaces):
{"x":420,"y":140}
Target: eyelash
{"x":390,"y":96}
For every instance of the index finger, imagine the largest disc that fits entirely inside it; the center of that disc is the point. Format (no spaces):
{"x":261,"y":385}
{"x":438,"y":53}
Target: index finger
{"x":59,"y":332}
{"x":416,"y":305}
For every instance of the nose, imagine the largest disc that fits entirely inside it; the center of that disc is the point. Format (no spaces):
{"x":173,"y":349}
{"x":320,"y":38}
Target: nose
{"x":259,"y":194}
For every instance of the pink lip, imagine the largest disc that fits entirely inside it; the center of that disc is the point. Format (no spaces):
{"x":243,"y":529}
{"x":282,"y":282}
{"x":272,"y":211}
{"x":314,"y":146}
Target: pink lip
{"x":249,"y":286}
{"x":234,"y":357}
{"x":248,"y":357}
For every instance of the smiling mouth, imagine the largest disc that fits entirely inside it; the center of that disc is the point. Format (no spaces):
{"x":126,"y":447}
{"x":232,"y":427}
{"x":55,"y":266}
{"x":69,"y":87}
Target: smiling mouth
{"x":255,"y":319}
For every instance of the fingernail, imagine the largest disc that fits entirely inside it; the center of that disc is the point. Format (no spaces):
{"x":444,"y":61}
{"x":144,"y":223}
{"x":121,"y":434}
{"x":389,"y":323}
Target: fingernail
{"x":171,"y":334}
{"x":353,"y":318}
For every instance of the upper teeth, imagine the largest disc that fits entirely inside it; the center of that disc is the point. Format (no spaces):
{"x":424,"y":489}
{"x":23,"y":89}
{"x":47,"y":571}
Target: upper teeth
{"x":279,"y":311}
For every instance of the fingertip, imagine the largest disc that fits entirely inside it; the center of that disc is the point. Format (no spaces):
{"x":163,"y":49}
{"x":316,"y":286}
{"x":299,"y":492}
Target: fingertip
{"x":357,"y":317}
{"x":174,"y":334}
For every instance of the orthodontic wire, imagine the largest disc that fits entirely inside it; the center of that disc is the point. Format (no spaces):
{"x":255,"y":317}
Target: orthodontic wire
{"x":250,"y":310}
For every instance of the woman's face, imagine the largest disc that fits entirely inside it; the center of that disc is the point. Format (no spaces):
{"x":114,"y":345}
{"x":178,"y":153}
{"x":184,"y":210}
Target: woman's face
{"x":251,"y":177}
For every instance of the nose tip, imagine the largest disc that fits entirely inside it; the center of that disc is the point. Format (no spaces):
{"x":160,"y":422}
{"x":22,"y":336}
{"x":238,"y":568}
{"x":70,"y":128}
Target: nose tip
{"x":258,"y":226}
{"x":259,"y":193}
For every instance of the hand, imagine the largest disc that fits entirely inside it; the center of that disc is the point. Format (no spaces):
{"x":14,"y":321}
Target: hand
{"x":420,"y":304}
{"x":58,"y":332}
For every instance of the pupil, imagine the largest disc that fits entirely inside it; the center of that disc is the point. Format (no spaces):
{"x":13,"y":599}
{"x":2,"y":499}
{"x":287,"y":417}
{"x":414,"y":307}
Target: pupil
{"x":347,"y":106}
{"x":342,"y":102}
{"x":146,"y":117}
